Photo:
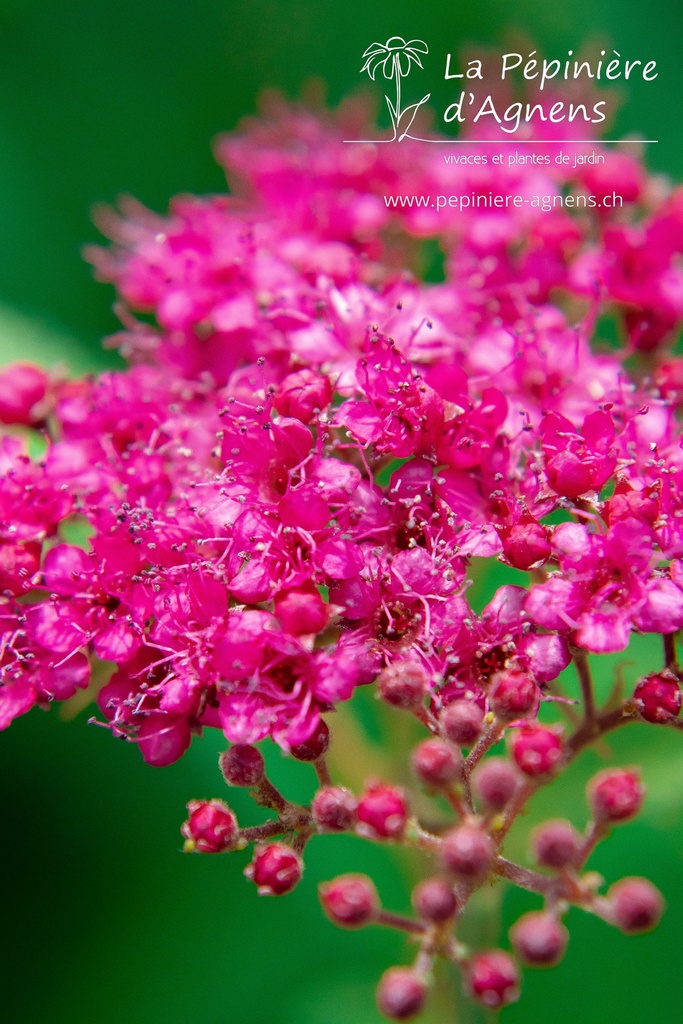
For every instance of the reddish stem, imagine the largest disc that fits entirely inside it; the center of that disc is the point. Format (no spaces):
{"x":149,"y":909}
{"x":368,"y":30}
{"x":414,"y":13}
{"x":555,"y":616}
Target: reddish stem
{"x":322,"y":771}
{"x":405,"y":924}
{"x":586,"y":681}
{"x":524,"y":878}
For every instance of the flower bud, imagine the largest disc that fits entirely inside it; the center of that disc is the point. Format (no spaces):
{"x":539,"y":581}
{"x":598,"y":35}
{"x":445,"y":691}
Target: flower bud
{"x":635,"y":905}
{"x":210,"y":828}
{"x":539,"y":939}
{"x":403,"y":684}
{"x":275,"y":869}
{"x":467,"y":851}
{"x":556,"y":844}
{"x":658,"y":697}
{"x":434,"y":900}
{"x":513,"y":694}
{"x":495,"y":782}
{"x":301,"y":394}
{"x":536,"y":749}
{"x":382,"y":812}
{"x":301,"y":611}
{"x":493,"y":979}
{"x":22,"y":387}
{"x":461,"y":722}
{"x":526,"y":544}
{"x":615,"y":795}
{"x":18,"y":565}
{"x":334,"y":808}
{"x":242,"y":765}
{"x":315,"y":746}
{"x":400,"y":994}
{"x":350,"y":900}
{"x":436,"y":763}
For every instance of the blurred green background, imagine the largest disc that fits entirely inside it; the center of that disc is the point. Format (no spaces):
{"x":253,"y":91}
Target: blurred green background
{"x":105,"y":920}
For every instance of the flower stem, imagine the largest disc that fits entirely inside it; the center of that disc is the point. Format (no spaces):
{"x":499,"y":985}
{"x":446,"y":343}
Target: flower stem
{"x":322,"y":771}
{"x":586,"y":681}
{"x":670,"y":658}
{"x":523,"y":877}
{"x":258,"y":832}
{"x":405,"y":924}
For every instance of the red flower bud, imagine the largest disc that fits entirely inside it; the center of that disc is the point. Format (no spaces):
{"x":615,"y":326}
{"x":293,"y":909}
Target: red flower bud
{"x":382,"y":812}
{"x":526,"y":544}
{"x":436,"y":763}
{"x":401,"y":994}
{"x":403,"y":684}
{"x":615,"y":795}
{"x":301,"y":394}
{"x":556,"y":844}
{"x":350,"y":900}
{"x":275,"y":869}
{"x":513,"y":694}
{"x":434,"y":900}
{"x":242,"y":765}
{"x":539,"y":939}
{"x":635,"y":905}
{"x":495,"y":782}
{"x":467,"y":851}
{"x":301,"y":611}
{"x":493,"y":979}
{"x":461,"y":722}
{"x":210,"y":828}
{"x":536,"y":749}
{"x":315,"y":746}
{"x":658,"y":697}
{"x":334,"y":808}
{"x":22,"y":386}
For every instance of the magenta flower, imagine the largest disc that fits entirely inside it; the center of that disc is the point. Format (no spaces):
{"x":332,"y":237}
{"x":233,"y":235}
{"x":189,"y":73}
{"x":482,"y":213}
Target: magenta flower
{"x":291,"y":488}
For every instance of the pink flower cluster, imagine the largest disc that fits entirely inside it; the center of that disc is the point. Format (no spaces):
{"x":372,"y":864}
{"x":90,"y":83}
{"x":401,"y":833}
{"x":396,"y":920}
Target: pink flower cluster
{"x":285,"y":491}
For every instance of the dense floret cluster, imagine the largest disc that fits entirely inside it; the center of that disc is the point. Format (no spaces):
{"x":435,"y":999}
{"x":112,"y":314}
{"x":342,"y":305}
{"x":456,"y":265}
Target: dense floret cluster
{"x":286,"y":492}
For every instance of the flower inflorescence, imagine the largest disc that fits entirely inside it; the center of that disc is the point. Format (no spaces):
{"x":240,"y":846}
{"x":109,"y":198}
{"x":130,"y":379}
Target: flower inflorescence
{"x":284,"y":492}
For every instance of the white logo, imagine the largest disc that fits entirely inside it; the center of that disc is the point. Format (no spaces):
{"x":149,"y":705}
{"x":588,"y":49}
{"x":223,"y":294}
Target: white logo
{"x":395,"y":58}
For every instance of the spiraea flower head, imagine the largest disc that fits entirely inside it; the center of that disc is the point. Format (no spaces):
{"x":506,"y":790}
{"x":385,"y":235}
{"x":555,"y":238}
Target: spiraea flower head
{"x":310,"y":457}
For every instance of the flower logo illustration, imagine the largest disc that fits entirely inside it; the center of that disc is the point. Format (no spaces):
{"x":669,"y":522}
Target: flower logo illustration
{"x":395,"y":58}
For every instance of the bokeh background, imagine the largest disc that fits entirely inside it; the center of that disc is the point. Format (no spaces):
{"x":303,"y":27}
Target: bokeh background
{"x":104,"y":919}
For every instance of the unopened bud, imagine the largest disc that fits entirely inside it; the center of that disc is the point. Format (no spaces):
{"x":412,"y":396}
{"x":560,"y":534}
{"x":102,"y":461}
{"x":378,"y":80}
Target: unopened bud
{"x":495,"y":782}
{"x":382,"y":812}
{"x":461,"y":722}
{"x":493,"y":979}
{"x":467,"y":851}
{"x":210,"y":828}
{"x":513,"y":694}
{"x":436,"y":763}
{"x":400,"y":994}
{"x":556,"y":844}
{"x":615,"y":795}
{"x":276,"y":869}
{"x":315,"y":746}
{"x":434,"y":900}
{"x":350,"y":900}
{"x":334,"y":808}
{"x":242,"y":765}
{"x":658,"y":697}
{"x":402,"y":684}
{"x":635,"y":905}
{"x":536,"y":749}
{"x":539,"y":939}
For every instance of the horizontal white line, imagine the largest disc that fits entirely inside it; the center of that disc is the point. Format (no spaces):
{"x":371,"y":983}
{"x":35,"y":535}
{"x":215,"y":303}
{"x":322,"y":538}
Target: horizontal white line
{"x":510,"y":142}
